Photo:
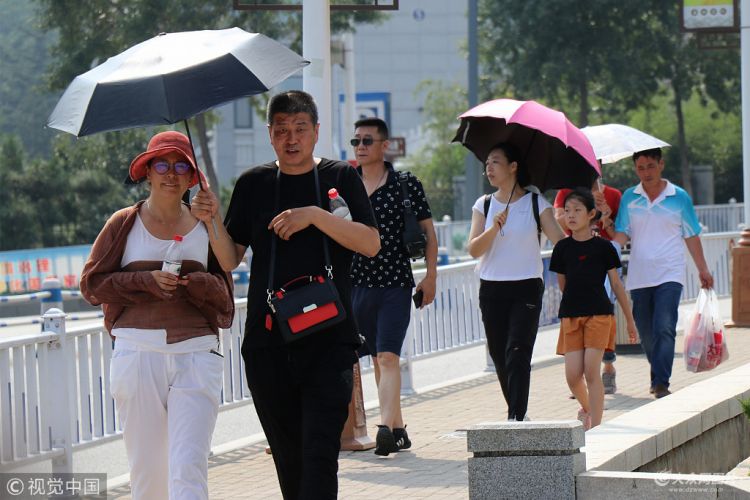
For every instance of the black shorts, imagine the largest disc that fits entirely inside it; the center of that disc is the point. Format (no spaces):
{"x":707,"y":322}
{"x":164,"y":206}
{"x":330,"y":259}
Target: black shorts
{"x":382,"y":315}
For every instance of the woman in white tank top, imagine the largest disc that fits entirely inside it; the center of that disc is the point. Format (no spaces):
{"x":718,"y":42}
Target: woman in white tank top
{"x":166,"y":370}
{"x":510,"y":271}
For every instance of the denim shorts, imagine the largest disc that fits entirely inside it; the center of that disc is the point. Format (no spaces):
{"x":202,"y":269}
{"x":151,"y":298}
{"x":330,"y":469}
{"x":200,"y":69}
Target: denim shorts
{"x":382,"y":315}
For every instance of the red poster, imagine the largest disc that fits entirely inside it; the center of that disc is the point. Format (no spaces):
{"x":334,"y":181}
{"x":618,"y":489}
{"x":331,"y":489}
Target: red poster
{"x":70,"y":281}
{"x":35,"y":284}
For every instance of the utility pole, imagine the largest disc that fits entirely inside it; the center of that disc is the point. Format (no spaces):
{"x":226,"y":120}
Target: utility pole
{"x":473,"y":187}
{"x":350,"y":95}
{"x":745,"y":79}
{"x":316,"y":77}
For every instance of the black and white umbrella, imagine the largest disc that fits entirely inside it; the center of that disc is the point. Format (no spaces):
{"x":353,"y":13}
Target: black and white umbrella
{"x":171,"y":78}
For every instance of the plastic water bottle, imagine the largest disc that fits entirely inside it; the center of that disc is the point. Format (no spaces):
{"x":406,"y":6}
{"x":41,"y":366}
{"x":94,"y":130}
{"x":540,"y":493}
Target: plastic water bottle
{"x":337,"y":205}
{"x":173,"y":259}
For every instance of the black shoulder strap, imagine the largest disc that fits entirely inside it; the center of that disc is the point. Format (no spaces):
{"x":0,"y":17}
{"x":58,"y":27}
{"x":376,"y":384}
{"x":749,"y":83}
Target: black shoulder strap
{"x":487,"y":201}
{"x":404,"y":194}
{"x":535,"y":206}
{"x":326,"y":253}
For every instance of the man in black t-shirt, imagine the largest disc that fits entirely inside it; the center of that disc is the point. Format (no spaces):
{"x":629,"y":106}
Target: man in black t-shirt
{"x":381,"y":297}
{"x":301,"y":390}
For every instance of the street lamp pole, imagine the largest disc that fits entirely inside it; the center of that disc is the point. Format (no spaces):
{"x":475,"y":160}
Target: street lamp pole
{"x":316,"y":77}
{"x":745,"y":79}
{"x":473,"y":186}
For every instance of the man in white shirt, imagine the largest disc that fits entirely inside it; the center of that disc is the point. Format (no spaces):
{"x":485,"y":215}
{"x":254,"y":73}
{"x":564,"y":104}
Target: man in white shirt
{"x":657,"y":216}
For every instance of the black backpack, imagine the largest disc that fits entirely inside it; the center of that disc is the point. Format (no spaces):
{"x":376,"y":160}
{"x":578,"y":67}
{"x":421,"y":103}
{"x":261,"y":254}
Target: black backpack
{"x":534,"y":204}
{"x":415,"y":240}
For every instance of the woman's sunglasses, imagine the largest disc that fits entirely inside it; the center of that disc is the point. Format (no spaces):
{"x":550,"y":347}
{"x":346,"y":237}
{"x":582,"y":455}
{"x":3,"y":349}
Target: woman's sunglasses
{"x":180,"y":167}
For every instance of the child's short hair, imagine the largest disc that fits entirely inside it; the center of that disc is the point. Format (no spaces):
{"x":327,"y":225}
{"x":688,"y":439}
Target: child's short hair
{"x":584,"y":196}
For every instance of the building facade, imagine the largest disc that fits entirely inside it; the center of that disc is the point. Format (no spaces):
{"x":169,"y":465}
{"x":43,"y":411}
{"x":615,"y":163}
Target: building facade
{"x":423,"y":40}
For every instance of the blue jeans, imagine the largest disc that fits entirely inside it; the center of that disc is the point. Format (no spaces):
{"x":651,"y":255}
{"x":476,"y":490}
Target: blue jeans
{"x":655,"y":313}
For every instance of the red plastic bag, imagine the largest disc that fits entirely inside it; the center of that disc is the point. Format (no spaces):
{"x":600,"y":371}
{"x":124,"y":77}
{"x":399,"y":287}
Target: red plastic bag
{"x":705,"y":346}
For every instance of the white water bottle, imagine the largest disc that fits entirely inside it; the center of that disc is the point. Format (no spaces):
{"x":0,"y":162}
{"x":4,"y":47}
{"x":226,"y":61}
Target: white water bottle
{"x":337,"y":205}
{"x":173,"y":259}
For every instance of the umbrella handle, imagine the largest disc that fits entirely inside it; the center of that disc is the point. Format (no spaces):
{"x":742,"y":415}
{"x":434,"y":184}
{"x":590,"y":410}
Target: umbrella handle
{"x":200,"y":180}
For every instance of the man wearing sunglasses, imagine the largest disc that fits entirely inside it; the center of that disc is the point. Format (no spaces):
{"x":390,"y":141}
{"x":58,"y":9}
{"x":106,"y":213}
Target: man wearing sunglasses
{"x":381,"y":297}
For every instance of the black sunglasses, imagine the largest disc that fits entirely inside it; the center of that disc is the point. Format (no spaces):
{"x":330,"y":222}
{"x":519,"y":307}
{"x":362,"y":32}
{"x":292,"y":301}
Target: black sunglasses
{"x":180,"y":167}
{"x":367,"y":141}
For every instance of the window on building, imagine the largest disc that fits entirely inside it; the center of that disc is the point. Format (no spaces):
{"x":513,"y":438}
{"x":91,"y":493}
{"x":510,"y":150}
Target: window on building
{"x":243,"y":113}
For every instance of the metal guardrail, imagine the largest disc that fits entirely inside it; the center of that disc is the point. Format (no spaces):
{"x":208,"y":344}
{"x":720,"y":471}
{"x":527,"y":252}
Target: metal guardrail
{"x":54,"y":386}
{"x":24,"y":270}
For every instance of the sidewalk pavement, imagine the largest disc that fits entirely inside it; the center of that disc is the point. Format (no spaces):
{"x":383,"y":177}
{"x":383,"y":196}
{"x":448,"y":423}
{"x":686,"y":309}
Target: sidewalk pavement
{"x":436,"y":465}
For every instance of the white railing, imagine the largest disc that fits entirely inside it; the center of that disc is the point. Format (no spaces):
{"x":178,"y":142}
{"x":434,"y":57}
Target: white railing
{"x":721,"y":218}
{"x":453,"y":236}
{"x":55,"y":396}
{"x":54,"y":386}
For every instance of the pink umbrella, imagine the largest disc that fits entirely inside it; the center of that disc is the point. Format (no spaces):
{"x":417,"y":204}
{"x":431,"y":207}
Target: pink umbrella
{"x":556,"y":153}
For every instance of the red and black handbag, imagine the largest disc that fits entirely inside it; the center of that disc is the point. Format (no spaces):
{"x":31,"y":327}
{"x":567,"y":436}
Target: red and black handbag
{"x":306,"y":304}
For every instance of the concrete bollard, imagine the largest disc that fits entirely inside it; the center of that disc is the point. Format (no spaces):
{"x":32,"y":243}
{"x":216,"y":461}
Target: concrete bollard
{"x":242,"y":283}
{"x":55,"y":300}
{"x":530,"y":460}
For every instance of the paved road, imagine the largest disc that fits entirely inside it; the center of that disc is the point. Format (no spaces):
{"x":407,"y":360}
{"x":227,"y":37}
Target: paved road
{"x":436,"y":466}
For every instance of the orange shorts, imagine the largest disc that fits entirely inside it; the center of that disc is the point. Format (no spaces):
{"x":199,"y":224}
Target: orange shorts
{"x":594,"y":332}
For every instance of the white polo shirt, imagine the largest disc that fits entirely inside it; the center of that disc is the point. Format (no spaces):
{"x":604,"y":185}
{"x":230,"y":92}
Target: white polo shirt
{"x":657,"y":231}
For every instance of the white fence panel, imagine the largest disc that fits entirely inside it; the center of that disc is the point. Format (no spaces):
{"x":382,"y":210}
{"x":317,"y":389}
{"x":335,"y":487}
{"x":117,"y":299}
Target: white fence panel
{"x":54,"y":388}
{"x":19,"y":404}
{"x":97,"y":393}
{"x":32,"y":400}
{"x":6,"y":408}
{"x":85,"y":421}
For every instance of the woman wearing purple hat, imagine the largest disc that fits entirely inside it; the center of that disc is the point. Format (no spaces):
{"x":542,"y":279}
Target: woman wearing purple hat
{"x":166,"y":370}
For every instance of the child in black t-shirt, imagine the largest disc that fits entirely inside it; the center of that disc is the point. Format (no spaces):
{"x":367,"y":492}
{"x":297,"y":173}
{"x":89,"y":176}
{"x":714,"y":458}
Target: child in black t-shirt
{"x":582,"y":262}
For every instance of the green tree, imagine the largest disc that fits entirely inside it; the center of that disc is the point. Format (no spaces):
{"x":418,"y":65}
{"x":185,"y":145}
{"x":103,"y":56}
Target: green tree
{"x":713,"y":138}
{"x":94,"y":170}
{"x":604,"y":59}
{"x":687,"y":70}
{"x":576,"y":56}
{"x":18,"y":222}
{"x":437,"y":163}
{"x":25,"y":101}
{"x":65,"y":199}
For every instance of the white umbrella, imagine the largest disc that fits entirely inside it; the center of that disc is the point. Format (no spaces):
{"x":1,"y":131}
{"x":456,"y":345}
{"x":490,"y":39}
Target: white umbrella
{"x":613,"y":142}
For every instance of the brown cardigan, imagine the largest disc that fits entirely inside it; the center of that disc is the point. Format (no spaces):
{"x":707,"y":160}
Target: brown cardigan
{"x":131,"y":298}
